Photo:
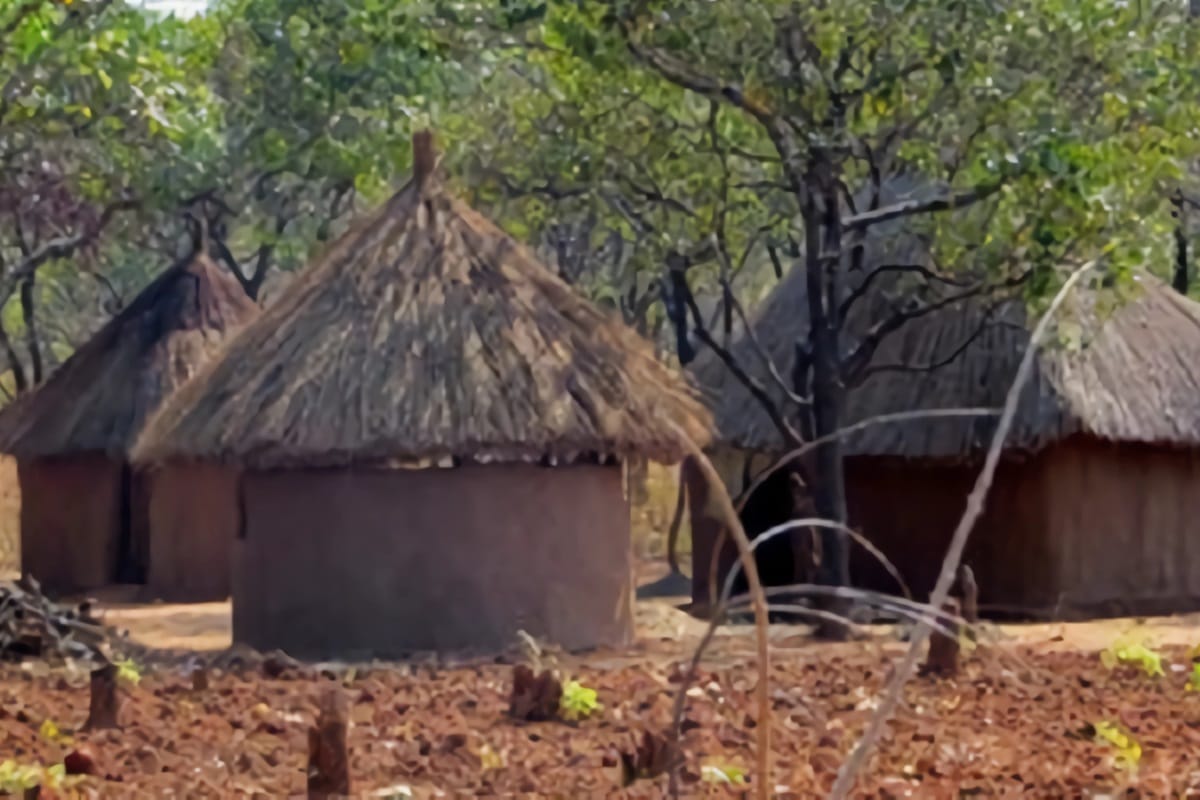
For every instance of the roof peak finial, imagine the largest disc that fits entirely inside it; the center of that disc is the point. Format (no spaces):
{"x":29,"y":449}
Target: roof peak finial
{"x":425,"y":155}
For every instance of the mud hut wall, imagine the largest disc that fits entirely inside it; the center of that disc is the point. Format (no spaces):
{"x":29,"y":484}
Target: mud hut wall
{"x":339,"y":563}
{"x":909,"y":511}
{"x":194,"y":518}
{"x":1125,"y":525}
{"x":71,"y":521}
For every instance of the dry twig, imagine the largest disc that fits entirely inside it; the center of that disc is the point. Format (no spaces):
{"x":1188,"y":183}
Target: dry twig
{"x":862,"y":750}
{"x":718,"y":502}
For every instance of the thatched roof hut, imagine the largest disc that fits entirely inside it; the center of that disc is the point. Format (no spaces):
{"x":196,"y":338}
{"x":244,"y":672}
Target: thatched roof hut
{"x":1129,"y":374}
{"x":72,"y":435}
{"x":1095,"y":508}
{"x":426,"y":337}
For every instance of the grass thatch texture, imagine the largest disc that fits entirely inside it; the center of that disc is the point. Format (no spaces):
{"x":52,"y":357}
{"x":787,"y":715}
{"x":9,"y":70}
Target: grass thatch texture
{"x":426,"y":333}
{"x":101,"y":396}
{"x":1129,"y":373}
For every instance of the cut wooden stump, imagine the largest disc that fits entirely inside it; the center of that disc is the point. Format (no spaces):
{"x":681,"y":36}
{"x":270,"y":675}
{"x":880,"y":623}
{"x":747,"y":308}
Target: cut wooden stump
{"x":328,"y":759}
{"x":535,"y":696}
{"x":104,"y":708}
{"x":942,"y":659}
{"x":968,"y":590}
{"x":81,"y":761}
{"x":199,"y":679}
{"x":652,"y":755}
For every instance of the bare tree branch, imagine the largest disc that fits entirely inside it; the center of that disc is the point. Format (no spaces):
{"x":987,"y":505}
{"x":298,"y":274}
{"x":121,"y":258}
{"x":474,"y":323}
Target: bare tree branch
{"x":29,"y":316}
{"x":63,"y":246}
{"x":985,"y":321}
{"x":861,"y":290}
{"x":861,"y":355}
{"x":546,"y":189}
{"x":753,"y":385}
{"x":909,"y":208}
{"x":780,"y":130}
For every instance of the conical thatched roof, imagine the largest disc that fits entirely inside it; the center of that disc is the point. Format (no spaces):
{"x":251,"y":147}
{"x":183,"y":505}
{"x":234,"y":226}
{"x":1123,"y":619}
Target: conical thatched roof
{"x":101,"y":397}
{"x":426,"y":333}
{"x":1134,"y":376}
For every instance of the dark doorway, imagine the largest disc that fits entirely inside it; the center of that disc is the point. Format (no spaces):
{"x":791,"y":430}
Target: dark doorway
{"x":781,"y":560}
{"x":133,"y":546}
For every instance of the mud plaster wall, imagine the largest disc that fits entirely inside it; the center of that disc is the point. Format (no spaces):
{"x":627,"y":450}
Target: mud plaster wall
{"x":1125,"y":527}
{"x":10,"y":517}
{"x":193,"y":521}
{"x":909,"y":511}
{"x":372,"y":562}
{"x":70,"y":521}
{"x":1084,"y":529}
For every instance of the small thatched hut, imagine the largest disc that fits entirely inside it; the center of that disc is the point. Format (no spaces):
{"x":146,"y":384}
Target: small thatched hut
{"x":1096,"y":505}
{"x":87,"y":518}
{"x":432,"y":427}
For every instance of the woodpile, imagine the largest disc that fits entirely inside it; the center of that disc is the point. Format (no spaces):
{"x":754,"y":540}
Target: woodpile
{"x":32,"y":626}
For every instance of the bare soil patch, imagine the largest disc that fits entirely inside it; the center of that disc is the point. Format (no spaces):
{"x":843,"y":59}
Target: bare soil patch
{"x":1016,"y":723}
{"x":1020,"y":719}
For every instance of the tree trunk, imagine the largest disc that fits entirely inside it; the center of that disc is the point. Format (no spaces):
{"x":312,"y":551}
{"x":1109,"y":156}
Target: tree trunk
{"x":823,"y":234}
{"x":29,"y":315}
{"x":1181,"y":280}
{"x":20,"y":382}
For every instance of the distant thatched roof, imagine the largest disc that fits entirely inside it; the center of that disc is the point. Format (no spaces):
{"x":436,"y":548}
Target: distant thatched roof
{"x":426,"y":333}
{"x":100,"y":398}
{"x":1135,"y":377}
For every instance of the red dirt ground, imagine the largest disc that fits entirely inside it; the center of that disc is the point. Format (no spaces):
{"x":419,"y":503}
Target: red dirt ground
{"x":1014,"y":724}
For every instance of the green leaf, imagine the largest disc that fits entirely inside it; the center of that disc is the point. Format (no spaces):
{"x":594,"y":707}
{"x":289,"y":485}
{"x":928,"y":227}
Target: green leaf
{"x":578,"y":702}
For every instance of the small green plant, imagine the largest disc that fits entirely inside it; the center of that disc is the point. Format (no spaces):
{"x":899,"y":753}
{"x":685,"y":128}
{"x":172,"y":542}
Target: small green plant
{"x":128,"y":671}
{"x":1128,"y":753}
{"x":489,"y":758}
{"x":1133,"y":652}
{"x":578,"y":702}
{"x":723,"y":774}
{"x":15,"y":779}
{"x":50,"y":731}
{"x":1193,"y":684}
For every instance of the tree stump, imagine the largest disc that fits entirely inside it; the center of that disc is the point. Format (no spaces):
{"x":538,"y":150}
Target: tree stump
{"x":968,"y":590}
{"x":199,"y":679}
{"x":535,"y":696}
{"x":942,"y":659}
{"x":105,"y":701}
{"x":328,"y":760}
